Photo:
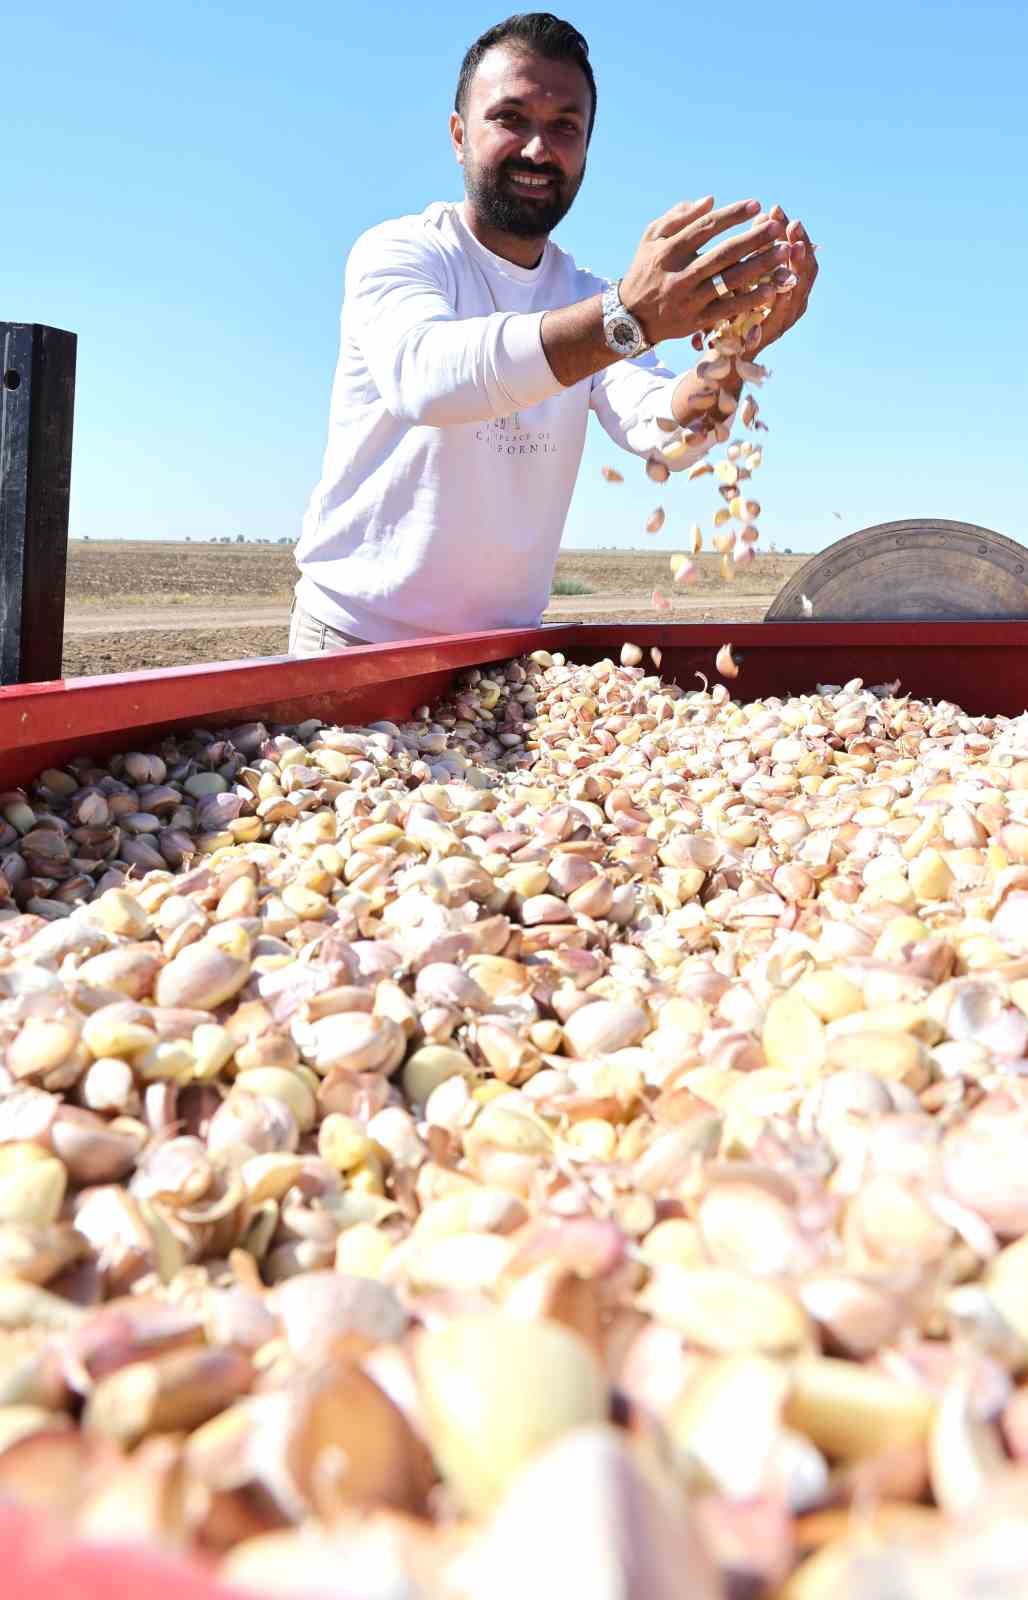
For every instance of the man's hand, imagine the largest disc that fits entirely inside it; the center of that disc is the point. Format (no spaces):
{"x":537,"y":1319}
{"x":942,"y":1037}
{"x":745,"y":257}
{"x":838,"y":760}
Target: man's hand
{"x":670,"y":289}
{"x":670,"y":286}
{"x":691,"y":398}
{"x":789,"y":307}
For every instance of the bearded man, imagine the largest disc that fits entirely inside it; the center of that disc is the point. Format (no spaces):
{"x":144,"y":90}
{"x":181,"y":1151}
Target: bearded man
{"x":473,"y":349}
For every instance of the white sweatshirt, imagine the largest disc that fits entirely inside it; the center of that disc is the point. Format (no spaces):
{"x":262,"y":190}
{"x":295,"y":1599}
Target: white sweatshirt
{"x":452,"y":449}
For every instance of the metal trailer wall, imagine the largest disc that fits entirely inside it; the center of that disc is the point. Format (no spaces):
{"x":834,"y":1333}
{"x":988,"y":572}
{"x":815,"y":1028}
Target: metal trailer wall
{"x":982,"y":666}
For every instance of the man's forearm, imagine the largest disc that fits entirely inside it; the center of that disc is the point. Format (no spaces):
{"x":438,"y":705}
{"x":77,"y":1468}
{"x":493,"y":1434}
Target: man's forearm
{"x":575,"y":348}
{"x":573,"y":341}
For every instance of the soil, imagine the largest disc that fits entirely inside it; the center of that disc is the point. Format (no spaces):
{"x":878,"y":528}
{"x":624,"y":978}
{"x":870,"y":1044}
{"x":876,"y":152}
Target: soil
{"x":138,"y":605}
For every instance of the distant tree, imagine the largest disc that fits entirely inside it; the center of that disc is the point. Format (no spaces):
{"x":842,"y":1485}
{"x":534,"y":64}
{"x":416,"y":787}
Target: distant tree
{"x":240,"y":539}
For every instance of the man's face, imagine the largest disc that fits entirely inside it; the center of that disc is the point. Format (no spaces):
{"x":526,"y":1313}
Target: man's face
{"x":522,"y":141}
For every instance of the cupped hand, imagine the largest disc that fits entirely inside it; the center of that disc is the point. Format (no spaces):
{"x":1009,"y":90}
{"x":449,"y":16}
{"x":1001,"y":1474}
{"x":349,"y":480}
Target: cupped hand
{"x":671,"y":284}
{"x":788,"y":307}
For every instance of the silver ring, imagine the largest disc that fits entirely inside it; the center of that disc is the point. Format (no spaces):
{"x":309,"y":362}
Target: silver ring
{"x":720,"y":285}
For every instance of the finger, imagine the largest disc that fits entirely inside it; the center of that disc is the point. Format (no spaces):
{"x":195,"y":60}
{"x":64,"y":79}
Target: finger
{"x":679,"y":216}
{"x":696,"y":233}
{"x":764,"y":231}
{"x":726,"y":307}
{"x":748,"y":273}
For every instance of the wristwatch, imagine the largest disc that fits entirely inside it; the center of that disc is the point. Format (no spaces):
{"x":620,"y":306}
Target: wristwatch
{"x":620,"y":329}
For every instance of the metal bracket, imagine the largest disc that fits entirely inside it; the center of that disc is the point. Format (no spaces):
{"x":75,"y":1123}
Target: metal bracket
{"x":37,"y":406}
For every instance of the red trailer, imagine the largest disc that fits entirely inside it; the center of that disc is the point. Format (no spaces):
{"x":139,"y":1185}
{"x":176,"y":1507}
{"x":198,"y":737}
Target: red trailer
{"x":980,"y":665}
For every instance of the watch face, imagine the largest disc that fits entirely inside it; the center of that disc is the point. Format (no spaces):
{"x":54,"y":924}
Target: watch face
{"x":623,"y":333}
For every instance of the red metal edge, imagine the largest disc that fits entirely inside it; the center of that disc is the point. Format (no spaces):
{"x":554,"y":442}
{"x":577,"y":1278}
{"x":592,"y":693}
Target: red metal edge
{"x":43,"y":724}
{"x":983,"y":666}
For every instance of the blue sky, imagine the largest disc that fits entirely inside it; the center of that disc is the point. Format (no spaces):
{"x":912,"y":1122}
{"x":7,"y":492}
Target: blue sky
{"x":188,"y":179}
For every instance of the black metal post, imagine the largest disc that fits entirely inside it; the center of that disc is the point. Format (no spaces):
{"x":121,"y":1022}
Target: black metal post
{"x":37,"y":407}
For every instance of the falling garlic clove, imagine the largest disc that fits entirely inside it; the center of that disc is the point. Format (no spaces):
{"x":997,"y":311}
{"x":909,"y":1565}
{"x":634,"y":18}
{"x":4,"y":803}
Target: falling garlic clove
{"x":713,"y":367}
{"x":725,"y":663}
{"x":746,"y":557}
{"x":611,"y":475}
{"x":726,"y":402}
{"x":699,"y":470}
{"x":631,"y":655}
{"x":723,"y":542}
{"x":660,"y":601}
{"x":697,"y":538}
{"x":806,"y":605}
{"x":688,"y":572}
{"x":727,"y":473}
{"x":721,"y":517}
{"x":749,"y":534}
{"x":748,"y":411}
{"x":655,"y":521}
{"x":656,"y":656}
{"x":727,"y":569}
{"x":752,"y":510}
{"x":657,"y":472}
{"x":750,"y":371}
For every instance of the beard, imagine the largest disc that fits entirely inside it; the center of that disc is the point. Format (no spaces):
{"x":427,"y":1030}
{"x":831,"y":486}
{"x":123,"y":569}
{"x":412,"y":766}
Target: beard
{"x":502,"y":207}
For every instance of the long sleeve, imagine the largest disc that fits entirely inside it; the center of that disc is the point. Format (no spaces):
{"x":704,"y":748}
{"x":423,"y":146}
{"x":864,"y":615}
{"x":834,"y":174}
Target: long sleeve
{"x":430,"y":366}
{"x":628,"y":397}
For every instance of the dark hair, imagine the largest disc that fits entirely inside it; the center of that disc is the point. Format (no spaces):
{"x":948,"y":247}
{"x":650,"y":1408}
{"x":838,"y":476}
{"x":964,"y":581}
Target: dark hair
{"x":539,"y":32}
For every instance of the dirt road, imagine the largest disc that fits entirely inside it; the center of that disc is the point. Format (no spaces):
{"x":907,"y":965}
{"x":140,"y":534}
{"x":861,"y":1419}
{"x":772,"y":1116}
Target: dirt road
{"x":91,"y":622}
{"x":94,"y":622}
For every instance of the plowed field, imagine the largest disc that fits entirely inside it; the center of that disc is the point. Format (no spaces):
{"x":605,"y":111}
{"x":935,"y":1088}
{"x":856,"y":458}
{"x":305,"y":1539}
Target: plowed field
{"x":138,"y":605}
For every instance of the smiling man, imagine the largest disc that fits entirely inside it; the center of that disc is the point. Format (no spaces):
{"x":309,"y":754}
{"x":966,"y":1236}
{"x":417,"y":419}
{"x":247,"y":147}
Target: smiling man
{"x":473,"y":350}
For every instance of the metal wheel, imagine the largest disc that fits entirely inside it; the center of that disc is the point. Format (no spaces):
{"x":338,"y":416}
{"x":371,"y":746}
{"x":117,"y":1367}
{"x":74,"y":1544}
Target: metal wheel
{"x":918,"y":570}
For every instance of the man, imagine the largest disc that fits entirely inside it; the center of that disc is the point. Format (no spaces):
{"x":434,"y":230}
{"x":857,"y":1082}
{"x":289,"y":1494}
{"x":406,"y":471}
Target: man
{"x":473,"y":349}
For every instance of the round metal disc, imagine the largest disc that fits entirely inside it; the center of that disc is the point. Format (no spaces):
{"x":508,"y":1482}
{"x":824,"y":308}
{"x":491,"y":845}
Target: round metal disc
{"x":918,"y":570}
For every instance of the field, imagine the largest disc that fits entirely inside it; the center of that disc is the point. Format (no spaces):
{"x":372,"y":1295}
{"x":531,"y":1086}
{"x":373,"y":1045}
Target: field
{"x":139,"y":605}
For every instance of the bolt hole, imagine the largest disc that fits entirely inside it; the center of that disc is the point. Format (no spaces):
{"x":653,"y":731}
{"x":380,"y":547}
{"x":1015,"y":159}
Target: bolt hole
{"x":12,"y":379}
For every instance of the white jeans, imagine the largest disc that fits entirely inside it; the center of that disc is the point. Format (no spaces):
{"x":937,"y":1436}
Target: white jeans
{"x":309,"y":637}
